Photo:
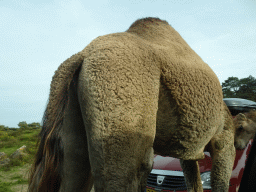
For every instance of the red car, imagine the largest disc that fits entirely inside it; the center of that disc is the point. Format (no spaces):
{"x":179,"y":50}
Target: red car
{"x":167,"y":174}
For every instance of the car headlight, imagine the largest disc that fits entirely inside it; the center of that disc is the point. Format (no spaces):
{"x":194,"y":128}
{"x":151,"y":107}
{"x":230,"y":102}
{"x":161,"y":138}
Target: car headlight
{"x":206,"y":180}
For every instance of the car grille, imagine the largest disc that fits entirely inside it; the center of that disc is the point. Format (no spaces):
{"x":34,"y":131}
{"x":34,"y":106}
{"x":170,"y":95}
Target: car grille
{"x":169,"y":183}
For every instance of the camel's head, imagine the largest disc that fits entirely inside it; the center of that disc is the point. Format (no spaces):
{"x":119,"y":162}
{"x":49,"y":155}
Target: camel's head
{"x":245,"y":129}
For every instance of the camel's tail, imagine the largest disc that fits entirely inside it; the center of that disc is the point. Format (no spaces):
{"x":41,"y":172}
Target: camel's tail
{"x":46,"y":169}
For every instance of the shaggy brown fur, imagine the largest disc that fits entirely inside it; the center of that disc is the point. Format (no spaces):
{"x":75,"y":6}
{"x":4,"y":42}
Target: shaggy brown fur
{"x":135,"y":90}
{"x":245,"y":125}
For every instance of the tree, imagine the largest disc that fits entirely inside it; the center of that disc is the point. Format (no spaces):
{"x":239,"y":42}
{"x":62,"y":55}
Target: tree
{"x":244,"y":88}
{"x":230,"y":87}
{"x":23,"y":125}
{"x":247,"y":88}
{"x":34,"y":125}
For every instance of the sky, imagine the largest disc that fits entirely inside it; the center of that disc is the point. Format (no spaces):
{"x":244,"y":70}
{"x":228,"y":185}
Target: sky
{"x":37,"y":36}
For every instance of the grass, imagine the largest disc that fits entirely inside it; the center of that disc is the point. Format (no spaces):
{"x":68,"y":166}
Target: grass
{"x":14,"y":177}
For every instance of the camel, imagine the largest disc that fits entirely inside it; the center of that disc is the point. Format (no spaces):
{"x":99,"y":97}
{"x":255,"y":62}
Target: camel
{"x":245,"y":125}
{"x":124,"y":97}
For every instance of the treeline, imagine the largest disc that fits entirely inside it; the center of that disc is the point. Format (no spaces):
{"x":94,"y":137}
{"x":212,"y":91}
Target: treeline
{"x":244,"y":88}
{"x":22,"y":126}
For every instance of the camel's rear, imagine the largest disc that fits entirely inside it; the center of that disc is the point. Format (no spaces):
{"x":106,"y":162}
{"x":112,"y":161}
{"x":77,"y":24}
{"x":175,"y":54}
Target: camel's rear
{"x":118,"y":96}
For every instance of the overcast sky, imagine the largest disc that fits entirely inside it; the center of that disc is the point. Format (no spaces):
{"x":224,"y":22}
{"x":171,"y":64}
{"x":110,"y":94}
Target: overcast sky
{"x":37,"y":36}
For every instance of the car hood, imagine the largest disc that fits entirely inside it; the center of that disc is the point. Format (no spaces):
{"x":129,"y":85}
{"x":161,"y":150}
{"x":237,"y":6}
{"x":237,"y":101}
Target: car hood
{"x":170,"y":163}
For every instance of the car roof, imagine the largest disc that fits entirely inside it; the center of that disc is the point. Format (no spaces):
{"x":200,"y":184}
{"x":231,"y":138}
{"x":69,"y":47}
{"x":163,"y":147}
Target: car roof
{"x":237,"y":102}
{"x":238,"y":105}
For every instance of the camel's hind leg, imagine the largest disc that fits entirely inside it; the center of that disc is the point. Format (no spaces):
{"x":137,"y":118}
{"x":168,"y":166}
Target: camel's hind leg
{"x":76,"y":171}
{"x":120,"y":130}
{"x":222,"y":151}
{"x":120,"y":162}
{"x":192,"y":175}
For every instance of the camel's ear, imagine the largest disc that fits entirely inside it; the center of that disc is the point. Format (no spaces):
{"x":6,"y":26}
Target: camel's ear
{"x":241,"y":116}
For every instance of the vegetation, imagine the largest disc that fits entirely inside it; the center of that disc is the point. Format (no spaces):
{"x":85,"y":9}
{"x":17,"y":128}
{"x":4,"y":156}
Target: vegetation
{"x":14,"y":176}
{"x":244,"y":88}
